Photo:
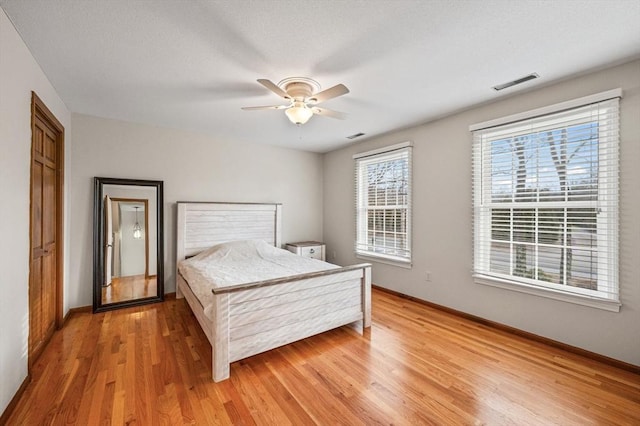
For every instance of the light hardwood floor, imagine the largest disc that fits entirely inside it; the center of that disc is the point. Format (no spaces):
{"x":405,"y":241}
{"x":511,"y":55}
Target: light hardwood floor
{"x":151,"y":365}
{"x":129,"y":288}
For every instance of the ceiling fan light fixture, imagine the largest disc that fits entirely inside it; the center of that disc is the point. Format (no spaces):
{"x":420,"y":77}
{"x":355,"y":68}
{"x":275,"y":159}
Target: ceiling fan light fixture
{"x":299,"y":113}
{"x":303,"y":95}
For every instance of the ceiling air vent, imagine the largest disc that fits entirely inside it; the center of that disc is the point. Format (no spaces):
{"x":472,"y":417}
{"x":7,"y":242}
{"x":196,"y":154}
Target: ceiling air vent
{"x":520,"y":80}
{"x":357,"y":135}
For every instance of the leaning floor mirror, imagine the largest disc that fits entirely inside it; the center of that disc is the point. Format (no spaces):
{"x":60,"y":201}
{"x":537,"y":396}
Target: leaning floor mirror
{"x":127,"y":243}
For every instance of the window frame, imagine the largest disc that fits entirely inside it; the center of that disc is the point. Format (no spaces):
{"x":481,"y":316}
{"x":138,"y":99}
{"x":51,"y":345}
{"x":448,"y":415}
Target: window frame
{"x":362,"y":208}
{"x":606,"y":297}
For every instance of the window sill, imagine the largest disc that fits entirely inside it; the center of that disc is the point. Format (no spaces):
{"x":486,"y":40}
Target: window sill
{"x":605,"y":304}
{"x":406,"y":264}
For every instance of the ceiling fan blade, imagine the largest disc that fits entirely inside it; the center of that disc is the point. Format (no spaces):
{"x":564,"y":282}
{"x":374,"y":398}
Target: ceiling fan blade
{"x":329,"y":113}
{"x":274,"y":88}
{"x":330,"y":93}
{"x":265,"y":107}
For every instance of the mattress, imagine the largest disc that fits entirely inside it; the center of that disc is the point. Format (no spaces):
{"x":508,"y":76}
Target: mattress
{"x":242,"y":262}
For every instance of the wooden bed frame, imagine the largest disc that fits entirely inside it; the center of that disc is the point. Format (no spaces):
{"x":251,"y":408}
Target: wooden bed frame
{"x":255,"y":317}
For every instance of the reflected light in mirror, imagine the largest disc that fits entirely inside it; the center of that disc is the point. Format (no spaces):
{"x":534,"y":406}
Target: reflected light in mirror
{"x":137,"y":231}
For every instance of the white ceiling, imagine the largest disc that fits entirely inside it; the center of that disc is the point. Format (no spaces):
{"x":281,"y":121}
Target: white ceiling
{"x":191,"y":65}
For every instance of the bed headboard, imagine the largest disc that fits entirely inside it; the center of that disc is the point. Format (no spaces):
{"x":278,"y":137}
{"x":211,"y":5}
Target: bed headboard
{"x":202,"y":225}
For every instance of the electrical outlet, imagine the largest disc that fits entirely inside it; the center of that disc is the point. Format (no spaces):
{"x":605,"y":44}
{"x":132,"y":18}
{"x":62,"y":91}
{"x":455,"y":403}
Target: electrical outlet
{"x":427,"y":276}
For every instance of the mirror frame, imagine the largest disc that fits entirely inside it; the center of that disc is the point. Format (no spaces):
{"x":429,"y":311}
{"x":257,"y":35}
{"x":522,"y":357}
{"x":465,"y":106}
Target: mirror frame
{"x":98,"y":243}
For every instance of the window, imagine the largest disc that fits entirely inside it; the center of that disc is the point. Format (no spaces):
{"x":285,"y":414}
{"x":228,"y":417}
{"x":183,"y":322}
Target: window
{"x":383,"y":204}
{"x":545,"y":188}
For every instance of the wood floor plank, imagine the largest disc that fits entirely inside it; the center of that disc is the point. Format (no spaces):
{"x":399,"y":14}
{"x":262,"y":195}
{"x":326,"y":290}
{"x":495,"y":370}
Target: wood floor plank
{"x":417,"y":365}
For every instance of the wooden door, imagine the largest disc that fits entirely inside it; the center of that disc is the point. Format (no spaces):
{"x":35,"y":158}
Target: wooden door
{"x":45,"y":268}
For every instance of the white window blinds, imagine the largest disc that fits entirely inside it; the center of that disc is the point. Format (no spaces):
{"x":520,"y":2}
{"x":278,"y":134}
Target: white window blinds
{"x":545,"y":196}
{"x":383,"y":203}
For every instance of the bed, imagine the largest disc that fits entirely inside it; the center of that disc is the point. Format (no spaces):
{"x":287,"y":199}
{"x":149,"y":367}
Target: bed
{"x":247,"y":318}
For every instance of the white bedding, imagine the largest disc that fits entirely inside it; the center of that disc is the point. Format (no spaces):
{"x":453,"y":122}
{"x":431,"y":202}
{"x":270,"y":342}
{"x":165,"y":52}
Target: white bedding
{"x":242,"y":262}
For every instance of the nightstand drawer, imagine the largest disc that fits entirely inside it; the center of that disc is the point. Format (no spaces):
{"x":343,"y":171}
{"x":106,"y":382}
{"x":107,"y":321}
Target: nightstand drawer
{"x":314,"y":252}
{"x":311,"y":249}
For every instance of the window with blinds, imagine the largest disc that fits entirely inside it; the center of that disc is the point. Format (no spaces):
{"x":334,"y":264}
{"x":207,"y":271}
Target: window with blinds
{"x":545,"y":196}
{"x":383,"y":203}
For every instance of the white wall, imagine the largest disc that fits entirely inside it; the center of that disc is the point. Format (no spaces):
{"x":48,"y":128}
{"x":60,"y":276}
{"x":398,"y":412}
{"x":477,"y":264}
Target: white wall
{"x":193,"y":168}
{"x":442,"y":217}
{"x":132,"y":250}
{"x":19,"y":75}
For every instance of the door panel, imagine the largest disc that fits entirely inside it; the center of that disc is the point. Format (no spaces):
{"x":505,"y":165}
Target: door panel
{"x":48,"y":206}
{"x":49,"y":293}
{"x":36,"y":208}
{"x":35,"y":303}
{"x":46,"y":210}
{"x":50,"y":147}
{"x":49,"y":272}
{"x":37,"y":249}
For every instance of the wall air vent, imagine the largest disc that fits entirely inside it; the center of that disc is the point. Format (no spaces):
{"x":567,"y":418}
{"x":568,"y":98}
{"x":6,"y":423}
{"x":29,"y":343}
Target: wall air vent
{"x":357,"y":135}
{"x":520,"y":80}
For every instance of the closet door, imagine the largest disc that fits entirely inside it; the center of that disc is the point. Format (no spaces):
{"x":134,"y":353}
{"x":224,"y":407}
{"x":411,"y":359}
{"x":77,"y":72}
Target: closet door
{"x":45,"y":241}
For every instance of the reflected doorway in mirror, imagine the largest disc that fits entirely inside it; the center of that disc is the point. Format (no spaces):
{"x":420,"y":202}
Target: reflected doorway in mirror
{"x":127,"y":251}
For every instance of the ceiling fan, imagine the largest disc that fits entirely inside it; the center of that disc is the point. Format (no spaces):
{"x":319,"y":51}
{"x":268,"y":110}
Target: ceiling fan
{"x":303,"y":95}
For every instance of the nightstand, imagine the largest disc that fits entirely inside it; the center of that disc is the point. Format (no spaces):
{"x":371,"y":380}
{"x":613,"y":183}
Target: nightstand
{"x":312,"y":249}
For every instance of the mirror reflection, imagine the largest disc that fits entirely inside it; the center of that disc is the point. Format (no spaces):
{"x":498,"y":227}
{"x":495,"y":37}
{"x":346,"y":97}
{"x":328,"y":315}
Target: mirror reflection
{"x":127,"y":254}
{"x":130,"y":257}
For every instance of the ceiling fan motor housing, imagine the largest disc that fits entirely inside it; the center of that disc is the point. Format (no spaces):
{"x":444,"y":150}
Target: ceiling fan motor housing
{"x":299,"y":88}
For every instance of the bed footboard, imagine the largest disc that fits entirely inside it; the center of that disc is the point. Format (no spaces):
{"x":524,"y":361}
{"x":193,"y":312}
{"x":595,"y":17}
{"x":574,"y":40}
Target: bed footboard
{"x":262,"y":316}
